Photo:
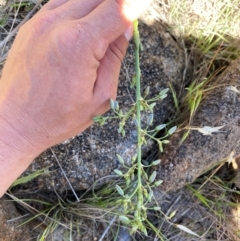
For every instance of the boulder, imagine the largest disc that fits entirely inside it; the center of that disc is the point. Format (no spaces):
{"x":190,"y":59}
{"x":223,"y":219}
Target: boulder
{"x":182,"y":164}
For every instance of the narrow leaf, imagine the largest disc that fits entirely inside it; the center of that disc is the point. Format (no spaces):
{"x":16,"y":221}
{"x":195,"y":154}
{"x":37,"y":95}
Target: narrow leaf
{"x":199,"y":196}
{"x":150,"y":195}
{"x":160,"y":146}
{"x":172,"y":130}
{"x":133,"y":84}
{"x":128,"y":181}
{"x":198,"y":100}
{"x":147,"y":90}
{"x":172,"y":214}
{"x":120,"y":129}
{"x":120,"y":191}
{"x":120,"y":159}
{"x":165,"y":141}
{"x":175,"y":99}
{"x":144,"y":230}
{"x":30,"y":177}
{"x":102,"y":122}
{"x":158,"y":183}
{"x":152,"y":106}
{"x":163,"y":96}
{"x":145,"y":175}
{"x":116,"y":105}
{"x":185,"y":135}
{"x":192,"y":107}
{"x":134,"y":158}
{"x":132,"y":176}
{"x":155,"y":163}
{"x":112,"y":104}
{"x":124,"y":219}
{"x":119,"y":173}
{"x":96,"y":118}
{"x":163,"y":92}
{"x":152,"y":177}
{"x":183,"y":228}
{"x":160,"y":127}
{"x":150,"y":120}
{"x":145,"y":192}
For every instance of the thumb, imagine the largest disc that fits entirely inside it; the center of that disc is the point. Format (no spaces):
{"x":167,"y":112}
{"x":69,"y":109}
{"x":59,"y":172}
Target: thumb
{"x":112,"y":17}
{"x":108,"y":73}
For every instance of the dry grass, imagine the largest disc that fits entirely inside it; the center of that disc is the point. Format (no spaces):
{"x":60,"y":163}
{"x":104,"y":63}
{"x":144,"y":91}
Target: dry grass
{"x":13,"y":14}
{"x":210,"y":27}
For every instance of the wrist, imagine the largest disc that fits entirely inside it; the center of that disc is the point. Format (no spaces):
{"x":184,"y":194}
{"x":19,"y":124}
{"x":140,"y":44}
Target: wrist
{"x":13,"y":144}
{"x":15,"y":133}
{"x":16,"y":151}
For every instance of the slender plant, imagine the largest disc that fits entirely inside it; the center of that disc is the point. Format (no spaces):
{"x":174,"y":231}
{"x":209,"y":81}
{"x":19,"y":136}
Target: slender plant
{"x":136,"y":192}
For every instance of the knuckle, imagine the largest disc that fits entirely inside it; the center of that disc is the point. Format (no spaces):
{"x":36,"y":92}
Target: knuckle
{"x":70,"y":41}
{"x":68,"y":36}
{"x":66,"y":40}
{"x":42,"y":22}
{"x":116,"y":48}
{"x":101,"y":48}
{"x":98,"y":44}
{"x":84,"y":32}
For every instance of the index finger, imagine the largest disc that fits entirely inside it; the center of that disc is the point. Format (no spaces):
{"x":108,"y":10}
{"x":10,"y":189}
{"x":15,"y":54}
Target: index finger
{"x":112,"y":17}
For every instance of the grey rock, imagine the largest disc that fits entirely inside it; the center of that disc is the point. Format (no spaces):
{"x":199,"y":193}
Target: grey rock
{"x":91,"y":156}
{"x":221,"y":107}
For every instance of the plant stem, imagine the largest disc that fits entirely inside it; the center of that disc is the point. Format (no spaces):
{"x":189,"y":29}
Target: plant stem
{"x":138,"y":110}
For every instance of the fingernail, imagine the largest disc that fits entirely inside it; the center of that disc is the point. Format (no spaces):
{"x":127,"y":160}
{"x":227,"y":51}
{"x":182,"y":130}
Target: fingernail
{"x":129,"y":32}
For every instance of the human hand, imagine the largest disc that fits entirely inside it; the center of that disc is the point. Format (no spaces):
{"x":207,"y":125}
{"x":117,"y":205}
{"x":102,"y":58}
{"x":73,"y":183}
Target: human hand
{"x":63,"y":68}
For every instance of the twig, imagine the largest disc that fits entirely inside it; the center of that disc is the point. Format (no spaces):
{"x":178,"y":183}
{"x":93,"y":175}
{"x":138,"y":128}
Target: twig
{"x":107,"y":229}
{"x":186,"y":67}
{"x":65,"y":175}
{"x":17,"y":218}
{"x":26,"y":207}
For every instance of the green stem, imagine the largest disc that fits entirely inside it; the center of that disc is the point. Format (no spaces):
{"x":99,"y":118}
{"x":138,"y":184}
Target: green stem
{"x":138,"y":109}
{"x":128,"y":114}
{"x":152,"y":137}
